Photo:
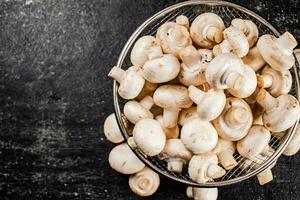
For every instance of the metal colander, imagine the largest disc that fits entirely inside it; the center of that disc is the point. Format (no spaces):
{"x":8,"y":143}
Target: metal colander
{"x":227,"y":11}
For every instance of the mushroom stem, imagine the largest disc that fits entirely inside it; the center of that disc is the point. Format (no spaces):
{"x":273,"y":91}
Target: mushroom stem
{"x":233,"y":80}
{"x":195,"y":94}
{"x":116,"y":73}
{"x":215,"y":171}
{"x":183,"y":21}
{"x":147,"y":102}
{"x":265,"y":176}
{"x":287,"y":42}
{"x":213,"y":34}
{"x":175,"y":165}
{"x":189,"y":192}
{"x":266,"y":100}
{"x":170,"y":117}
{"x":236,"y":116}
{"x":264,"y":81}
{"x":227,"y":160}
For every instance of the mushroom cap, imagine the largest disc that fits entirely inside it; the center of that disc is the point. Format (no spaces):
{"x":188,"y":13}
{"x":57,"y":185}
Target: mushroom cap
{"x":294,"y":145}
{"x":175,"y":149}
{"x":255,"y":142}
{"x":187,"y":114}
{"x":172,"y":97}
{"x":281,"y":81}
{"x":145,"y":182}
{"x":249,"y":28}
{"x":202,"y":193}
{"x":278,"y":52}
{"x":173,"y":38}
{"x":161,"y":69}
{"x":134,"y":111}
{"x":111,"y":129}
{"x":123,"y":160}
{"x":189,"y":77}
{"x":224,"y":145}
{"x":170,"y":132}
{"x":235,"y":121}
{"x":254,"y":59}
{"x":199,"y":136}
{"x":149,"y":136}
{"x":145,"y":48}
{"x":200,"y":26}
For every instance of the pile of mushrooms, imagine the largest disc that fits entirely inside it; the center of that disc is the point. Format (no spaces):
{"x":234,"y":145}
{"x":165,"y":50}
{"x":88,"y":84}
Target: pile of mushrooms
{"x":222,"y":91}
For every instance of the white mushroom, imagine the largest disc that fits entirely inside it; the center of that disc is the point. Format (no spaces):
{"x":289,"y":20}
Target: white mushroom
{"x":135,"y":111}
{"x":187,"y":114}
{"x":183,"y":21}
{"x":123,"y":160}
{"x":294,"y":145}
{"x":175,"y":154}
{"x":206,"y":30}
{"x":131,"y":82}
{"x":235,"y":121}
{"x":204,"y":168}
{"x":172,"y":98}
{"x":234,"y":42}
{"x":149,"y":136}
{"x":225,"y":150}
{"x":199,"y":136}
{"x":173,"y":38}
{"x":202,"y":193}
{"x":278,"y":52}
{"x":275,"y":82}
{"x":254,"y":59}
{"x":275,"y":108}
{"x":145,"y":48}
{"x":144,"y":183}
{"x":162,"y":69}
{"x":210,"y":104}
{"x":111,"y":129}
{"x":170,"y":132}
{"x":249,"y":28}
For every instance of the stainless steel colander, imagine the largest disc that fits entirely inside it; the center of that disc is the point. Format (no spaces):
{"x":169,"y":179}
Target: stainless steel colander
{"x":227,"y":11}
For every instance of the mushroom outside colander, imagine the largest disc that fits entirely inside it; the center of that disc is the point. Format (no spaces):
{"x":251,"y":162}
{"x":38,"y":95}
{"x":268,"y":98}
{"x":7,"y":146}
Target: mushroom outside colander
{"x":227,"y":11}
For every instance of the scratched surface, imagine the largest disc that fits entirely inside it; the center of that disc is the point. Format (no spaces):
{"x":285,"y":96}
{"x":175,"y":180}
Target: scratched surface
{"x":54,"y":97}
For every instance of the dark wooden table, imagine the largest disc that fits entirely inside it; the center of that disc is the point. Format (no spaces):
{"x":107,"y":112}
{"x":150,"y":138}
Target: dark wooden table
{"x":55,"y":95}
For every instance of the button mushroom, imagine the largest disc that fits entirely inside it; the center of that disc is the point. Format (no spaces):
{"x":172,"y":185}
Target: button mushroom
{"x":162,"y":69}
{"x":225,"y":150}
{"x":202,"y":193}
{"x":275,"y":82}
{"x":175,"y":154}
{"x":235,"y":121}
{"x":204,"y":168}
{"x":234,"y":42}
{"x":254,"y":59}
{"x":187,"y":114}
{"x":172,"y":98}
{"x":144,"y":183}
{"x":170,"y":132}
{"x":183,"y":21}
{"x":206,"y":30}
{"x":145,"y":48}
{"x":173,"y":38}
{"x":210,"y":104}
{"x":284,"y":105}
{"x":249,"y":28}
{"x":111,"y":129}
{"x":199,"y":136}
{"x":131,"y":82}
{"x":278,"y":52}
{"x":123,"y":160}
{"x":149,"y":136}
{"x":294,"y":145}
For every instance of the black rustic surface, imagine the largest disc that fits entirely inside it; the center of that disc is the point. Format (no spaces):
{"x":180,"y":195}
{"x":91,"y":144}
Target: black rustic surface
{"x":55,"y":95}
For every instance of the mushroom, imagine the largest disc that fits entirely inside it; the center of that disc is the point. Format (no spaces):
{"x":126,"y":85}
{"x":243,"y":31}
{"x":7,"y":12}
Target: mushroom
{"x":210,"y":104}
{"x":235,"y":121}
{"x":202,"y":193}
{"x":169,"y":132}
{"x":199,"y":136}
{"x":227,"y":71}
{"x":254,"y":59}
{"x":297,"y":54}
{"x":187,"y":114}
{"x":144,"y":183}
{"x":175,"y":154}
{"x":131,"y":82}
{"x":123,"y":160}
{"x":111,"y":129}
{"x":162,"y":69}
{"x":135,"y":111}
{"x":147,"y":90}
{"x":249,"y":28}
{"x":234,"y":42}
{"x":275,"y":82}
{"x":183,"y":21}
{"x":225,"y":150}
{"x":278,"y":52}
{"x":257,"y":111}
{"x":294,"y":145}
{"x":275,"y":108}
{"x":206,"y":30}
{"x":173,"y":38}
{"x":204,"y":168}
{"x":145,"y":48}
{"x":149,"y":136}
{"x":172,"y":98}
